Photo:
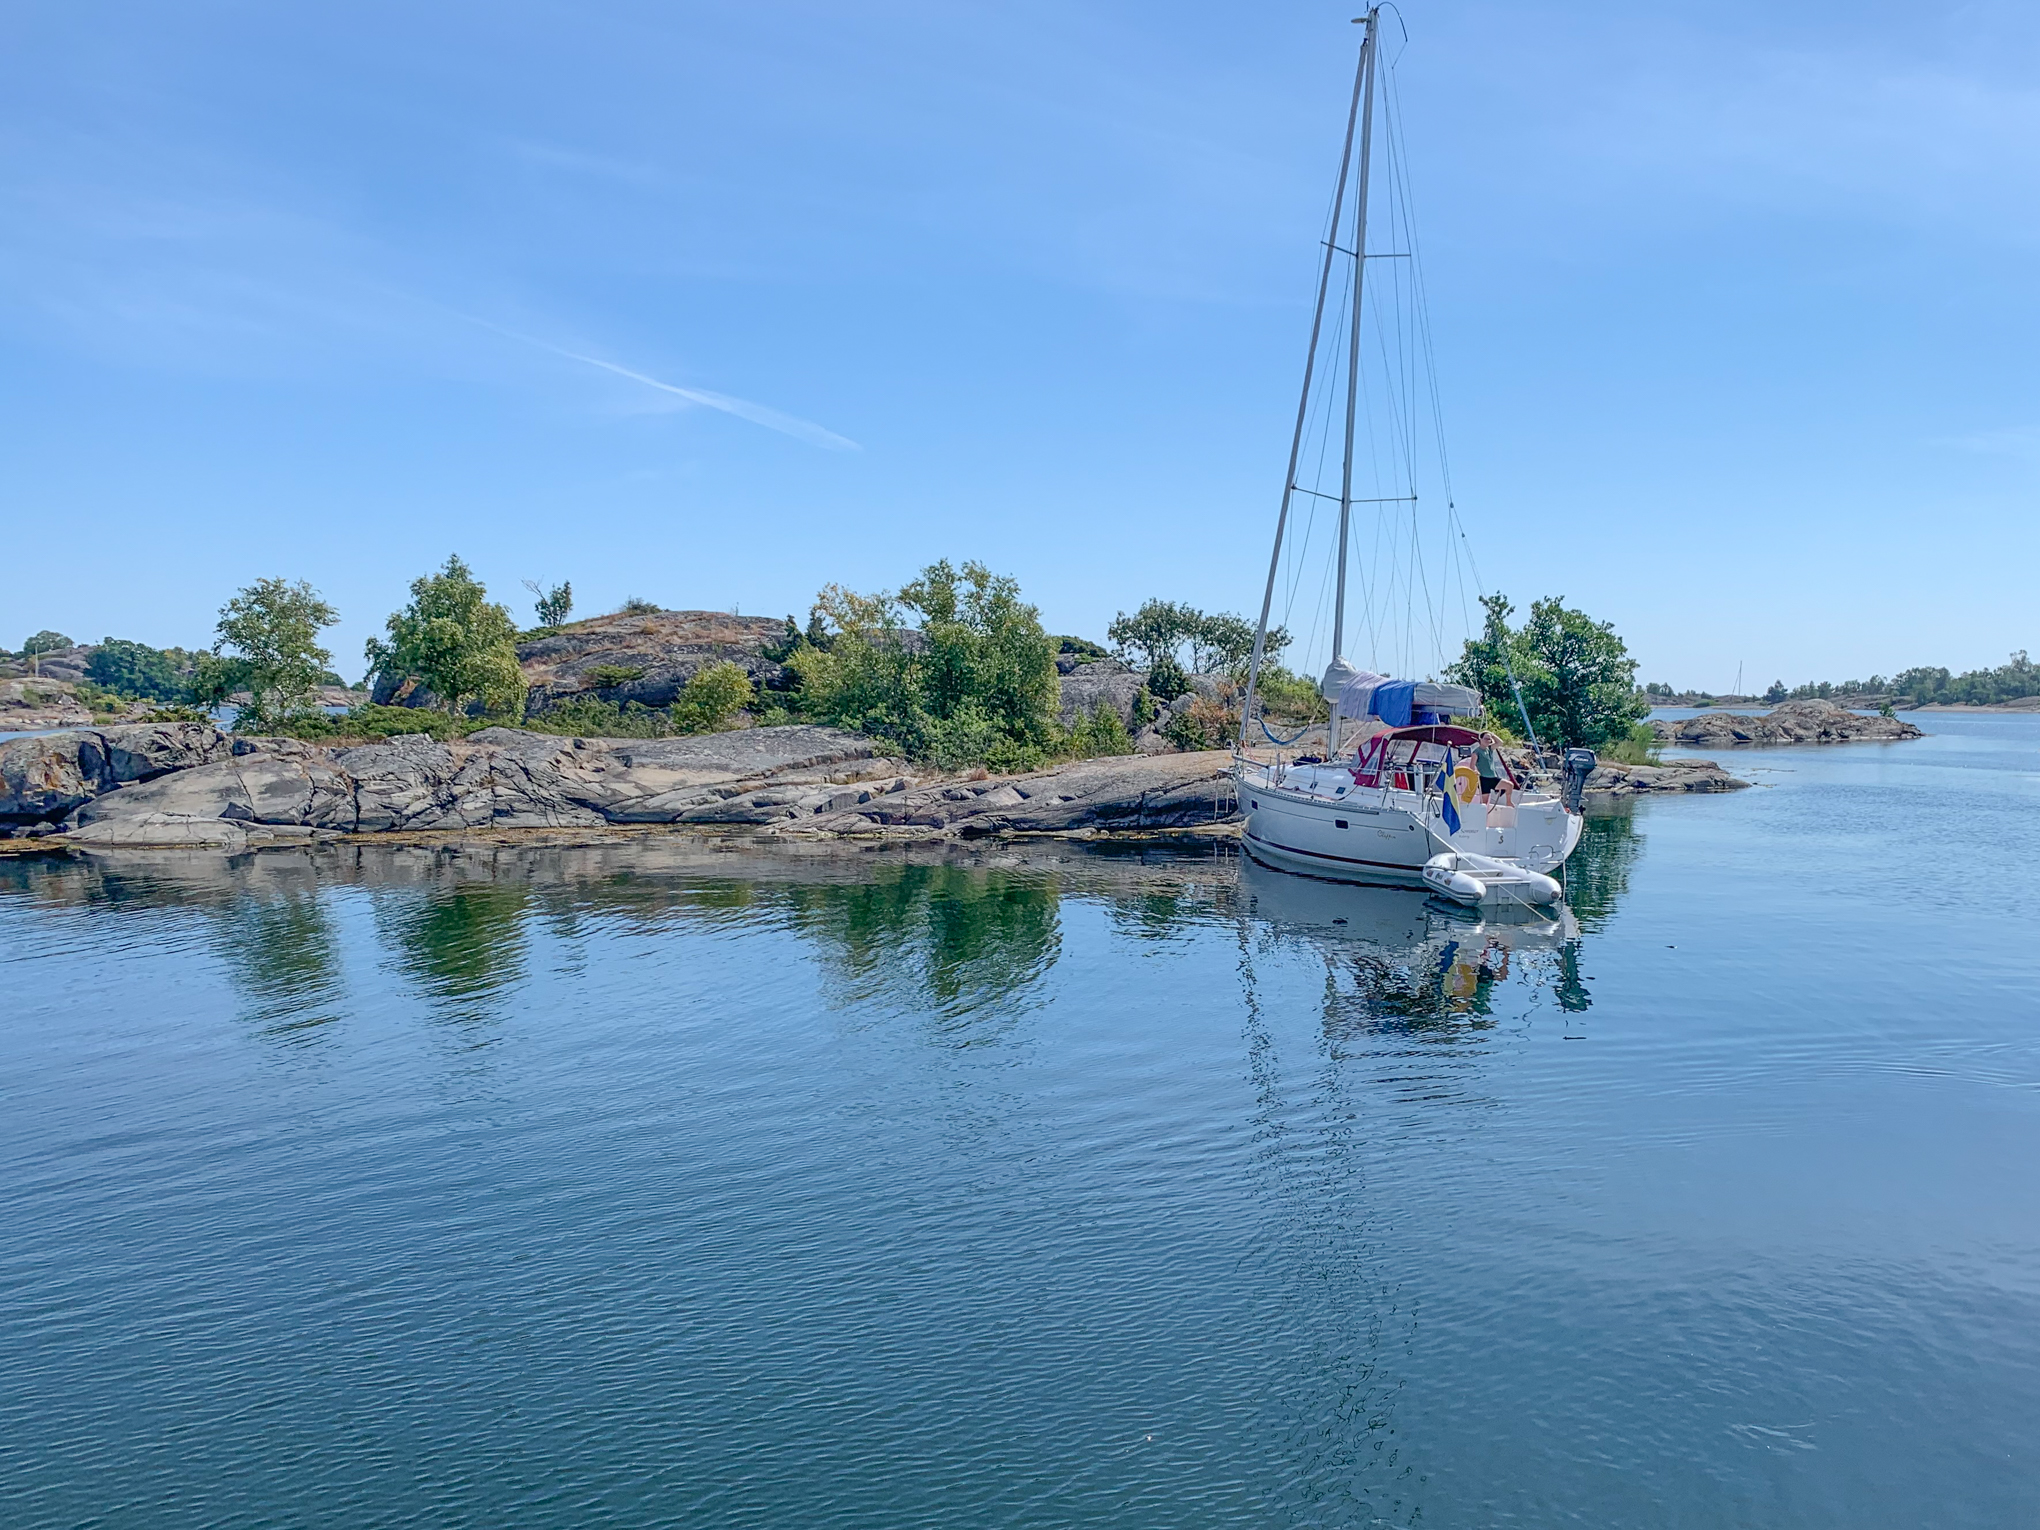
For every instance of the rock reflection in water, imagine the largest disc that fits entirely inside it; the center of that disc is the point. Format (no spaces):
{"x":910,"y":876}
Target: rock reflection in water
{"x":266,"y":919}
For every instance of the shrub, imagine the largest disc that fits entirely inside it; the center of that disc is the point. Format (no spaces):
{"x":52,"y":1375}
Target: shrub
{"x":371,"y":723}
{"x":637,"y":605}
{"x":1101,"y":733}
{"x":594,"y":718}
{"x":1294,"y":698}
{"x":1166,"y":679}
{"x":710,"y":702}
{"x":1204,"y":724}
{"x":607,"y":677}
{"x":975,"y":683}
{"x":1639,"y":746}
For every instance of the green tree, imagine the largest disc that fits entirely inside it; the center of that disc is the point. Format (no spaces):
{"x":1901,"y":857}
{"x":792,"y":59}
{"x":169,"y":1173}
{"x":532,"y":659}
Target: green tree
{"x":1776,"y":693}
{"x":136,"y":669}
{"x":1578,"y":681}
{"x":553,"y":606}
{"x":45,"y":641}
{"x":273,"y":626}
{"x":1154,"y":632}
{"x":1220,"y":642}
{"x":460,"y":646}
{"x":1484,"y":664}
{"x":975,"y":682}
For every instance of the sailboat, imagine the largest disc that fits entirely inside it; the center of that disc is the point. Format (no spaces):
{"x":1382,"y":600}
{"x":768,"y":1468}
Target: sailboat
{"x":1409,"y":787}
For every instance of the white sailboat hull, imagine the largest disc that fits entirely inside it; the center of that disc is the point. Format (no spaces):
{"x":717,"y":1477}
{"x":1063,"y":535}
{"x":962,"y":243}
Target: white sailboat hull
{"x":1302,"y":820}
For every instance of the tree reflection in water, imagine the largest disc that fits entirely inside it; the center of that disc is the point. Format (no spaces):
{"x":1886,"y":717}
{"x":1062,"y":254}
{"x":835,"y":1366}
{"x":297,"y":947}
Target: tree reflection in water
{"x":462,"y":943}
{"x":1597,"y":872}
{"x":963,"y":941}
{"x":265,"y":919}
{"x":281,"y":953}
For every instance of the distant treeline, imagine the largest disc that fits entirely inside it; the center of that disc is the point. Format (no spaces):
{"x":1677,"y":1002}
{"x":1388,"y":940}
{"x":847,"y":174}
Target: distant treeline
{"x":2010,"y":681}
{"x":2017,"y":678}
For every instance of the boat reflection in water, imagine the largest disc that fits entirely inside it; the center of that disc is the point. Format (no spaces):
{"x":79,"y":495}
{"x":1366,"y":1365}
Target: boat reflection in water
{"x":1399,"y":961}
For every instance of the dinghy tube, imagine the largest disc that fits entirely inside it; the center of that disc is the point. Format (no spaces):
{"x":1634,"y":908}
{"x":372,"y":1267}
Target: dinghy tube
{"x":1467,"y":878}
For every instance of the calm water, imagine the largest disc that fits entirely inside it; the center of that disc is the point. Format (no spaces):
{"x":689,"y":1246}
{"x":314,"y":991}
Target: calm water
{"x":647,"y":1185}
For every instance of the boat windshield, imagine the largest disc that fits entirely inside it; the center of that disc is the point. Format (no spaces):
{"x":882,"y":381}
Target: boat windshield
{"x":1407,"y":758}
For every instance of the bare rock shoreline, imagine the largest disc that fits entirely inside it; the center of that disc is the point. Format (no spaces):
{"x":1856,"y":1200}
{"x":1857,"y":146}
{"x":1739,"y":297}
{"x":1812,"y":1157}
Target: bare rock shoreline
{"x":1790,"y":722}
{"x":163,"y":785}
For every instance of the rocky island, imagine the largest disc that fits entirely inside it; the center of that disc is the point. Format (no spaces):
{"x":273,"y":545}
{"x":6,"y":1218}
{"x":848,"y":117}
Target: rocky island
{"x":191,"y":785}
{"x":1790,"y":722}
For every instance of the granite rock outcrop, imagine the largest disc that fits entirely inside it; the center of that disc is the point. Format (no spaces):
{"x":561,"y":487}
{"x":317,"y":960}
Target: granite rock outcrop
{"x":646,"y":657}
{"x":1790,"y":722}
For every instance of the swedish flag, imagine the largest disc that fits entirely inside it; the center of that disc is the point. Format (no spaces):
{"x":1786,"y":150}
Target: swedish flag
{"x":1446,"y":805}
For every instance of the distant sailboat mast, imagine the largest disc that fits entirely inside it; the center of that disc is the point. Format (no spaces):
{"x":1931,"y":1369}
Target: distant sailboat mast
{"x":1360,"y":115}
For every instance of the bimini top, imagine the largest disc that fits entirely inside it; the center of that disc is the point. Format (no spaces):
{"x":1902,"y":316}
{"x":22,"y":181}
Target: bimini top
{"x":1399,"y":703}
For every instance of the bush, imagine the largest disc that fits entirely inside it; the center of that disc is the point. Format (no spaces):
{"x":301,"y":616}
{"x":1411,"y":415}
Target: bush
{"x":607,"y":677}
{"x":975,"y":683}
{"x":638,"y":606}
{"x":103,"y":702}
{"x":595,"y":718}
{"x":1204,"y":724}
{"x":1166,"y":679}
{"x":1102,"y":733}
{"x":1639,"y":746}
{"x":710,"y":702}
{"x":371,"y":724}
{"x":1292,"y":697}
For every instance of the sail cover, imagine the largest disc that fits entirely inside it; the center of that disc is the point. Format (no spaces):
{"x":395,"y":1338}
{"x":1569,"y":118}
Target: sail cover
{"x":1363,"y":693}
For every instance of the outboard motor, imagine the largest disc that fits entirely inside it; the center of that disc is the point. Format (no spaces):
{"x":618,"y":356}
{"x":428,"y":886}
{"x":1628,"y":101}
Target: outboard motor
{"x":1579,"y":764}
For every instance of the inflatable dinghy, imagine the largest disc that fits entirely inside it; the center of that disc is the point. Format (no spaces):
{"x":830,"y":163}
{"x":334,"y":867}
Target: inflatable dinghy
{"x":1467,"y":878}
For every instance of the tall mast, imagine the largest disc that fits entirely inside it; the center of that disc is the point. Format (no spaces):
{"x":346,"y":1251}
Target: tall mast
{"x":1363,"y":81}
{"x":1368,"y":49}
{"x":1353,"y":342}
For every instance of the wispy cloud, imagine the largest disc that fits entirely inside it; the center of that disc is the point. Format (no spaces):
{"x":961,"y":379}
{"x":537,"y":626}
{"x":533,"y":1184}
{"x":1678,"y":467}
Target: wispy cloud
{"x":742,"y":408}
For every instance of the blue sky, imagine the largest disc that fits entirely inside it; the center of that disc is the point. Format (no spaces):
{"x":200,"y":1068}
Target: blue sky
{"x":1735,"y":306}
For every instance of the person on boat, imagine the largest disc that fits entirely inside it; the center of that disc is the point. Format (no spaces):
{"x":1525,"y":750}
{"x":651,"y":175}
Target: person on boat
{"x":1489,"y":763}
